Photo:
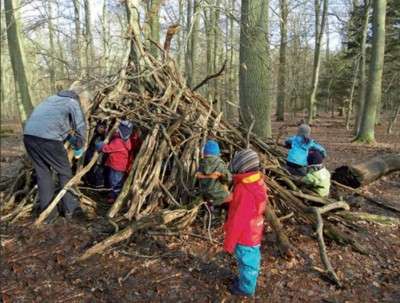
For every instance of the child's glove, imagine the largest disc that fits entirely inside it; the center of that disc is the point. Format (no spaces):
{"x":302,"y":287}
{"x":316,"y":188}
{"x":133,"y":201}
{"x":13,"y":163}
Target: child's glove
{"x":78,"y":153}
{"x":75,"y":141}
{"x":99,"y":145}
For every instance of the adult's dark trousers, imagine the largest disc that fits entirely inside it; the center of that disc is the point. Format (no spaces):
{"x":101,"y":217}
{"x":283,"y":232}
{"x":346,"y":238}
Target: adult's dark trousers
{"x":48,"y":155}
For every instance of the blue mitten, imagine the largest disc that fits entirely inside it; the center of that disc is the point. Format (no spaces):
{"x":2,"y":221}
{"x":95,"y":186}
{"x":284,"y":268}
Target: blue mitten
{"x":78,"y":153}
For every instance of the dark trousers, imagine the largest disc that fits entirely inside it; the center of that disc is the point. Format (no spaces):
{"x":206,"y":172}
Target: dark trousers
{"x":116,"y":180}
{"x":50,"y":155}
{"x":295,"y":169}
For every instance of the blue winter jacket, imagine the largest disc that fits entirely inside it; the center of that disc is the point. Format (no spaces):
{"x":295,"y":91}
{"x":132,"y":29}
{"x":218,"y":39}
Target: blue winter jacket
{"x":299,"y":147}
{"x":55,"y":117}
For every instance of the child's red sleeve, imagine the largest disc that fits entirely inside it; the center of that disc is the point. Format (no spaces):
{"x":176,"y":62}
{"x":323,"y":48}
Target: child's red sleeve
{"x":237,"y":223}
{"x":113,"y":146}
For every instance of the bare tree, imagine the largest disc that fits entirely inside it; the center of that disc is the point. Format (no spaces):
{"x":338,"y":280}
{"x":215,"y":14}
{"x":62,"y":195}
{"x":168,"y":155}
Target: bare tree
{"x":374,"y":88}
{"x":363,"y":66}
{"x":281,"y":99}
{"x":89,"y":46}
{"x":319,"y":32}
{"x":255,"y":100}
{"x":17,"y":57}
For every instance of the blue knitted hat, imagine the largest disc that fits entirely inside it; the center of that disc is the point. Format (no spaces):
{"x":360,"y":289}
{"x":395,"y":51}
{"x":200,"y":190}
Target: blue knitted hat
{"x":211,"y":148}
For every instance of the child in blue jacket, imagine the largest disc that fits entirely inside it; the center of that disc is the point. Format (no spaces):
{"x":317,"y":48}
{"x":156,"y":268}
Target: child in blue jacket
{"x":299,"y":147}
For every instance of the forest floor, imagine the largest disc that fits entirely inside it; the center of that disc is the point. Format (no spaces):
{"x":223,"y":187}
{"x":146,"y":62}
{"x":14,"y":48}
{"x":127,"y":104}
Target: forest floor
{"x":37,"y":265}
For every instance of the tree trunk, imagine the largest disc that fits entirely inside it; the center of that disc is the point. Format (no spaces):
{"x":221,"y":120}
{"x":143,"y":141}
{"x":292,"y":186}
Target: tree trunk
{"x":353,"y":87}
{"x":281,"y":99}
{"x":77,"y":18}
{"x":394,"y":118}
{"x":89,"y":49}
{"x":181,"y":36}
{"x":328,"y":49}
{"x":17,"y":58}
{"x":105,"y":25}
{"x":231,"y":109}
{"x":368,"y":171}
{"x":153,"y":20}
{"x":374,"y":91}
{"x":319,"y":31}
{"x":2,"y":92}
{"x":253,"y":76}
{"x":188,"y":63}
{"x":226,"y":53}
{"x":216,"y":47}
{"x":136,"y":47}
{"x":208,"y":22}
{"x":63,"y":70}
{"x":363,"y":67}
{"x":52,"y":66}
{"x":194,"y":39}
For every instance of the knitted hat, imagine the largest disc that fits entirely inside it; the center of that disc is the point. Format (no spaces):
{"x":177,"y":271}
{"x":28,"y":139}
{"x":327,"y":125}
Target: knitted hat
{"x":315,"y":157}
{"x":211,"y":148}
{"x":304,"y":130}
{"x":125,"y":129}
{"x":244,"y":161}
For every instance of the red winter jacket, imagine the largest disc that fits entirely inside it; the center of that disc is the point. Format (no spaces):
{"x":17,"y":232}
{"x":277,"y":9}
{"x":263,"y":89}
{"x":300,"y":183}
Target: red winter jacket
{"x":245,"y":222}
{"x":136,"y":142}
{"x":118,"y":152}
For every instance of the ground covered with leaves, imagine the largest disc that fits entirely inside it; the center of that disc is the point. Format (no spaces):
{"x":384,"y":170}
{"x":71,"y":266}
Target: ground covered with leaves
{"x":38,"y":265}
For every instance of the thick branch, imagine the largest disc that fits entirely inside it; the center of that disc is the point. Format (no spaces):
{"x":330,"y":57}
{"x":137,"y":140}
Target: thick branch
{"x":209,"y":77}
{"x":319,"y":230}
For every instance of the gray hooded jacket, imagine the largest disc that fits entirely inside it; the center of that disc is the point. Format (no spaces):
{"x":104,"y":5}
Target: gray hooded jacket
{"x":56,"y":116}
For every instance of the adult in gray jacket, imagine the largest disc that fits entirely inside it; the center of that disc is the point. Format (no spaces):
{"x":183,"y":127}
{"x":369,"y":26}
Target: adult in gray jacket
{"x":54,"y":120}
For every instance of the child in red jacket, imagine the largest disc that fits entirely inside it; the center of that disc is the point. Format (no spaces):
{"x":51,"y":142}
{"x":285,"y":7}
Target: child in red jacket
{"x":118,"y":157}
{"x":245,"y":224}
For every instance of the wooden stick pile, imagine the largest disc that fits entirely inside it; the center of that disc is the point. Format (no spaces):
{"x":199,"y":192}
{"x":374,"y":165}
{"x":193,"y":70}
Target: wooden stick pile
{"x":160,"y":188}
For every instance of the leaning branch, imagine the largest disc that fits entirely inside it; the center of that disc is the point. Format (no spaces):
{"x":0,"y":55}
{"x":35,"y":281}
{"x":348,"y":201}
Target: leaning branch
{"x":209,"y":77}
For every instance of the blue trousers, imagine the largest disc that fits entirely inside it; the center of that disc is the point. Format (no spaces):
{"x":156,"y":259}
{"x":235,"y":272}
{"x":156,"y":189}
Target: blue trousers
{"x":116,"y":180}
{"x":248,"y":258}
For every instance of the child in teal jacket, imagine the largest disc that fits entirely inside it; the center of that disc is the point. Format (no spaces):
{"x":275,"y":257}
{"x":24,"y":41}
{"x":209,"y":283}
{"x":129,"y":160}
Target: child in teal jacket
{"x":299,"y":146}
{"x":318,"y":178}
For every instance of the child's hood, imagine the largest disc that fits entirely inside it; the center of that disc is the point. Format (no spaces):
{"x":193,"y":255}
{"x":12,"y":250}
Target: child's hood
{"x":253,"y":182}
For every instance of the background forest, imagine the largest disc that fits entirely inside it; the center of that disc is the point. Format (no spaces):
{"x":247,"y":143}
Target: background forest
{"x":246,"y":73}
{"x":305,"y":57}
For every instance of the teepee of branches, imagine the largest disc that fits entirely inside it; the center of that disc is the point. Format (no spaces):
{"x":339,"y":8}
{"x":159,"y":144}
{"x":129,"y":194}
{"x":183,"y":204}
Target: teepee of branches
{"x":159,"y":190}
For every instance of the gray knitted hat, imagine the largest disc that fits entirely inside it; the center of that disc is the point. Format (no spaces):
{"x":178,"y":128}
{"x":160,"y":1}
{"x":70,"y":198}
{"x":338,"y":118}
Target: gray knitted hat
{"x":244,"y":161}
{"x":304,"y":130}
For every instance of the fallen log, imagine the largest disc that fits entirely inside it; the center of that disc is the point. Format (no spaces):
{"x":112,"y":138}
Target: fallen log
{"x":366,"y":172}
{"x":367,"y":197}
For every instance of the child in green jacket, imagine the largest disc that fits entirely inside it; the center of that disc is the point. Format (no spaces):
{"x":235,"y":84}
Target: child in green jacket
{"x":318,"y":178}
{"x":213,"y":175}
